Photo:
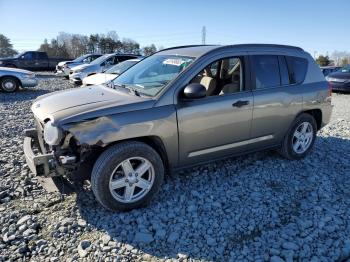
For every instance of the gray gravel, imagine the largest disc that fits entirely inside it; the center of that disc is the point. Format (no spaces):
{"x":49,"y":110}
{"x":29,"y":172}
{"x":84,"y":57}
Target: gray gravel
{"x":258,"y":207}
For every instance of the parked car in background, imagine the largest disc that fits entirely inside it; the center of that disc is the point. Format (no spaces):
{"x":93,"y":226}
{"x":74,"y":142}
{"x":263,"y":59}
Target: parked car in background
{"x":340,"y":80}
{"x":101,"y":64}
{"x":63,"y":68}
{"x":179,"y":107}
{"x":11,"y":79}
{"x":32,"y":60}
{"x":326,"y":70}
{"x":110,"y":74}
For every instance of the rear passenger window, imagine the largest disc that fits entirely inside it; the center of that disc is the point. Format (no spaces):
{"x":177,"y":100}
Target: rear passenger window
{"x":266,"y":71}
{"x":297,"y":69}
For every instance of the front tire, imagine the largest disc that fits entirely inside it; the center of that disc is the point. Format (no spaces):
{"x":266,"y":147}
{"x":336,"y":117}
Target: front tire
{"x":9,"y":84}
{"x":300,"y":138}
{"x":127,"y":176}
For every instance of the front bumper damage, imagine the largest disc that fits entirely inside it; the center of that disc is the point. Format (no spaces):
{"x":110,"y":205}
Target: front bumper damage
{"x":44,"y":166}
{"x":40,"y":164}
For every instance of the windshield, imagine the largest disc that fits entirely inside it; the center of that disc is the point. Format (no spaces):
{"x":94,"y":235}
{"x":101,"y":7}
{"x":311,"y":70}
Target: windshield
{"x":345,"y":69}
{"x":152,"y":74}
{"x":19,"y":55}
{"x":99,"y":60}
{"x":121,"y":67}
{"x":80,"y":58}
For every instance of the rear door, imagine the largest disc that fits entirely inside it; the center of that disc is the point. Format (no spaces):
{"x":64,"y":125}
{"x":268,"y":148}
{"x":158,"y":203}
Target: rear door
{"x":277,"y":100}
{"x":41,"y":61}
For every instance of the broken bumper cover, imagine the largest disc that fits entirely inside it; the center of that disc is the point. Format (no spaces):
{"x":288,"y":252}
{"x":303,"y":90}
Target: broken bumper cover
{"x":39,"y":164}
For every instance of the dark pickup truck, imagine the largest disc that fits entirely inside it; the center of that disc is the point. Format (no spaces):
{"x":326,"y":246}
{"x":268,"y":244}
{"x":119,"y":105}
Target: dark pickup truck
{"x":32,"y":60}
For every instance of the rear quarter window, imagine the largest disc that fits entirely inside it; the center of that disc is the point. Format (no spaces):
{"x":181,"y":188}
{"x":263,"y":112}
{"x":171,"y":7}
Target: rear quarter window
{"x":297,"y":69}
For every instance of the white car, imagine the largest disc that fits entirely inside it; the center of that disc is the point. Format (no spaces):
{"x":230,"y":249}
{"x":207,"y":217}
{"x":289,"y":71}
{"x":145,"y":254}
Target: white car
{"x":99,"y":65}
{"x":63,"y":68}
{"x":110,"y":74}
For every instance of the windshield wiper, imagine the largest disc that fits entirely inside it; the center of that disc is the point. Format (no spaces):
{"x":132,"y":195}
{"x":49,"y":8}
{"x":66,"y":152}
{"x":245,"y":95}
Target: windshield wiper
{"x":134,"y":91}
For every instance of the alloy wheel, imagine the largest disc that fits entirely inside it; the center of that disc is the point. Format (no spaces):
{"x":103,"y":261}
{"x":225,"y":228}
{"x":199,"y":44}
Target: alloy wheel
{"x":132,"y":179}
{"x":302,"y":137}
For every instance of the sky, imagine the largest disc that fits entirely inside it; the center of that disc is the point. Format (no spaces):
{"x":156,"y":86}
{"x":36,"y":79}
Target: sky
{"x":319,"y":27}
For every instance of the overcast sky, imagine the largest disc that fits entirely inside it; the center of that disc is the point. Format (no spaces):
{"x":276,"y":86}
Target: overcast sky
{"x":321,"y":26}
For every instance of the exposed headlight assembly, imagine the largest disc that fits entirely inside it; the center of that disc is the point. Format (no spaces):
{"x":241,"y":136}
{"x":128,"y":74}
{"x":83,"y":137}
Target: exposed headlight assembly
{"x":52,"y":134}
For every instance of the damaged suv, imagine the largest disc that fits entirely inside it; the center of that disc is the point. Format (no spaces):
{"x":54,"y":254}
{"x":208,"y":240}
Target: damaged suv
{"x":179,"y":107}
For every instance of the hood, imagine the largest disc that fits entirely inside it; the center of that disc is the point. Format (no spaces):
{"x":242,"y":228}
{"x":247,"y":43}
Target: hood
{"x":65,"y":105}
{"x":98,"y":79}
{"x":8,"y":59}
{"x":340,"y":75}
{"x":15,"y":70}
{"x":63,"y":63}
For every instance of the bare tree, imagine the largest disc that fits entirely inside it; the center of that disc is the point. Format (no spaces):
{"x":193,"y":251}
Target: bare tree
{"x":149,"y":50}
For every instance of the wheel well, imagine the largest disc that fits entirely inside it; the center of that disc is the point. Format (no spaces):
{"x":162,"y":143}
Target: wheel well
{"x":157,"y":144}
{"x":153,"y":141}
{"x":16,"y":78}
{"x":317,"y":115}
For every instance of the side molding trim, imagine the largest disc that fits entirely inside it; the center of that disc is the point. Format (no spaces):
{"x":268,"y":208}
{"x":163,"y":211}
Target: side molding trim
{"x":228,"y":146}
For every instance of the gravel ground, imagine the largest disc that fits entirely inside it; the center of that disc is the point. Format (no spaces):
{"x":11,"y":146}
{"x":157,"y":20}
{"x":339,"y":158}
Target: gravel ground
{"x":258,"y":207}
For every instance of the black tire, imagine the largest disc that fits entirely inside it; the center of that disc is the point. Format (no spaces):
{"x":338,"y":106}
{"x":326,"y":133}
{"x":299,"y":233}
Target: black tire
{"x":8,"y":80}
{"x":287,"y":150}
{"x":110,"y":159}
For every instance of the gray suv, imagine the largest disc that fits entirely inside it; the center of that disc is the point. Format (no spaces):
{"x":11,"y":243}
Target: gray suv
{"x":180,"y":107}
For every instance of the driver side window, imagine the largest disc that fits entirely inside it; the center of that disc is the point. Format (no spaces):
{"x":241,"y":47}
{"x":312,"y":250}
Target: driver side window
{"x":224,"y":76}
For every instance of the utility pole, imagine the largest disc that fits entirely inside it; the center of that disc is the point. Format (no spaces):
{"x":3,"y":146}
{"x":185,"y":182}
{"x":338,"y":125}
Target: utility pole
{"x":203,"y":34}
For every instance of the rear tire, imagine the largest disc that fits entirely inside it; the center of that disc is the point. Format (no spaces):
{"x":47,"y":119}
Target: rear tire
{"x":127,"y":176}
{"x":9,"y":84}
{"x":300,"y":138}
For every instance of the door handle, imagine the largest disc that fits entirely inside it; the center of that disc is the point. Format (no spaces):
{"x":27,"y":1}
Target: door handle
{"x":240,"y":103}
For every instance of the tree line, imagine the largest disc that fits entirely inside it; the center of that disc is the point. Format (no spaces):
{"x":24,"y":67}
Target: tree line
{"x":67,"y":45}
{"x":337,"y":58}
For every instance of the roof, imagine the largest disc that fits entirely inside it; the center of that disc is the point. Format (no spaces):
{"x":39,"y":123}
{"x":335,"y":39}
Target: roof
{"x":199,"y":50}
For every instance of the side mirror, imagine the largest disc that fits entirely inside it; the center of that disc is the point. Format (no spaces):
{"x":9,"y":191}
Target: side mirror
{"x":195,"y":91}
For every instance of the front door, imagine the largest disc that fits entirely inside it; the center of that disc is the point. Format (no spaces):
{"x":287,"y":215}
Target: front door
{"x":220,"y":123}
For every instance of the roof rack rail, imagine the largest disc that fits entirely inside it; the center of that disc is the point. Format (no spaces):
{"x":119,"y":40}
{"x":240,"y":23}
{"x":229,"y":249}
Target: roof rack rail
{"x":182,"y":46}
{"x":269,"y":45}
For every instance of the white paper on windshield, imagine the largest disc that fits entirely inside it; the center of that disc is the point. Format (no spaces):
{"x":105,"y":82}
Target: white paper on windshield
{"x":173,"y":61}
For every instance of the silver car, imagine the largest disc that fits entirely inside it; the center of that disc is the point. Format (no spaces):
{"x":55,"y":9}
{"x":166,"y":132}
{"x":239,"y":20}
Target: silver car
{"x":180,"y":107}
{"x":11,"y":79}
{"x":63,"y":68}
{"x":101,"y":64}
